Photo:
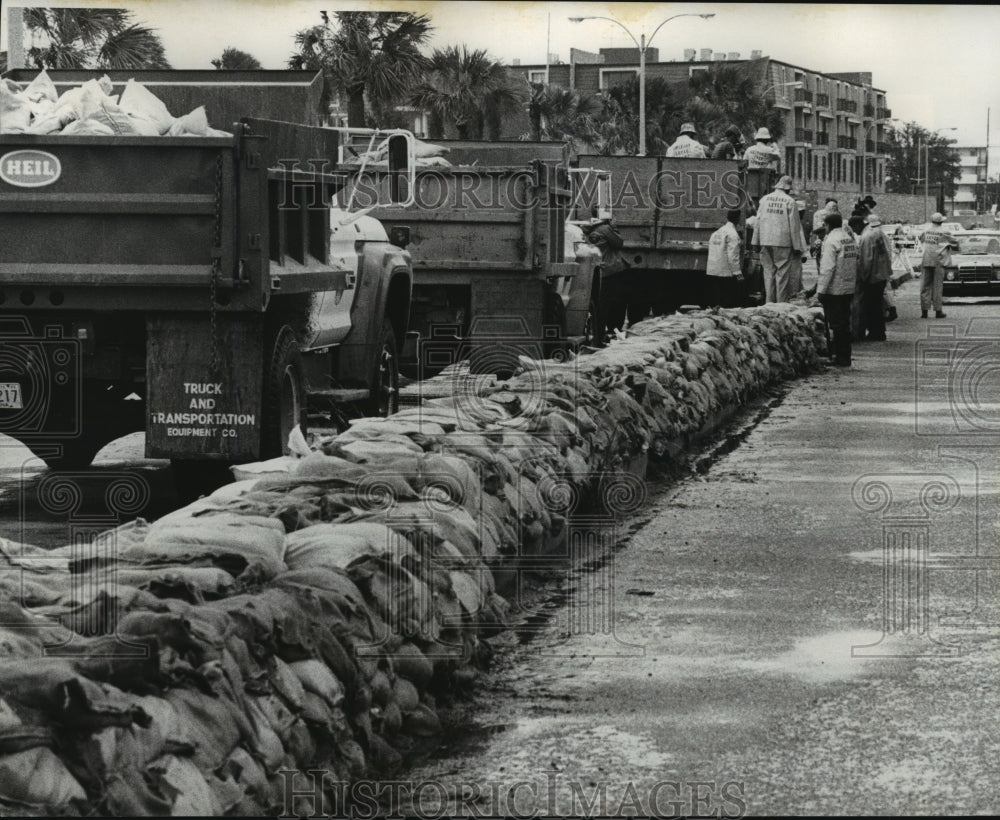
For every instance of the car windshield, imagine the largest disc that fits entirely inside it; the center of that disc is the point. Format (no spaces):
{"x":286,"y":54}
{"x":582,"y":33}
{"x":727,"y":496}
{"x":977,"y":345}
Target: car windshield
{"x":978,"y":243}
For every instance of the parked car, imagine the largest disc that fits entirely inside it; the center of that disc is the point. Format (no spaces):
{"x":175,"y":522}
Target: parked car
{"x":975,"y":266}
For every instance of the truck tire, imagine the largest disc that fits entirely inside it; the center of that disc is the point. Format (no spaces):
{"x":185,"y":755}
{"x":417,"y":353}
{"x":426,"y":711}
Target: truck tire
{"x":284,"y":396}
{"x":555,"y":317}
{"x":384,"y":400}
{"x":77,"y":453}
{"x":193,"y":479}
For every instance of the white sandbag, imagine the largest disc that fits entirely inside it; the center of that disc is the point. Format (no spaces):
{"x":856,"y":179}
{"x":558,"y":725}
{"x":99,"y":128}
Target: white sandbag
{"x":256,"y":539}
{"x":53,"y":122}
{"x":41,"y":88}
{"x":87,"y":128}
{"x":141,"y":103}
{"x":15,"y":112}
{"x":111,"y":115}
{"x":145,"y":127}
{"x":193,"y":124}
{"x":317,"y":678}
{"x":340,"y":545}
{"x":85,"y":99}
{"x":193,"y":798}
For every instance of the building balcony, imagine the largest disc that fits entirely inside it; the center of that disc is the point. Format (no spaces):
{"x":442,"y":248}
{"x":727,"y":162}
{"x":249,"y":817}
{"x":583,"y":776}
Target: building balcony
{"x":869,"y":110}
{"x":883,"y":114}
{"x":849,"y":143}
{"x":846,"y":105}
{"x":823,"y":100}
{"x":803,"y":135}
{"x":881,"y":148}
{"x":803,"y":96}
{"x":869,"y":146}
{"x":822,"y":138}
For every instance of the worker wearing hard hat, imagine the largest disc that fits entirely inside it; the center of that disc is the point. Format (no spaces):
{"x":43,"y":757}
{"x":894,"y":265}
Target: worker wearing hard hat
{"x":763,"y":153}
{"x":937,"y":256}
{"x":778,"y":235}
{"x":686,"y":145}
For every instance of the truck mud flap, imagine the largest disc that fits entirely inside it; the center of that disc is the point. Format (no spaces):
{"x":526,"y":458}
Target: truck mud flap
{"x":202,"y":405}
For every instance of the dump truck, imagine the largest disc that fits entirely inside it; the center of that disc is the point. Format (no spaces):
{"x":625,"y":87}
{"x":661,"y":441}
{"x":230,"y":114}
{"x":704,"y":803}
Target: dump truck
{"x":666,"y":209}
{"x":210,"y":291}
{"x":492,"y":279}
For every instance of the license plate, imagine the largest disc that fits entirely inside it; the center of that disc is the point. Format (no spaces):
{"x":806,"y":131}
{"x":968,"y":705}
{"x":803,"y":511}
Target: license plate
{"x":10,"y":396}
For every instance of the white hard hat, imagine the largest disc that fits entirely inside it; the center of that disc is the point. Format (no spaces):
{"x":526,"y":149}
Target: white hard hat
{"x":762,"y":134}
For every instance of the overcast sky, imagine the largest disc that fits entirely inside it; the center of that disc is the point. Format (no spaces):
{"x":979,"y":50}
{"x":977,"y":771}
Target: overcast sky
{"x":937,"y":63}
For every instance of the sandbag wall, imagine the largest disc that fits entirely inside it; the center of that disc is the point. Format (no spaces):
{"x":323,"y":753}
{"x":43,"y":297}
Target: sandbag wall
{"x":317,"y":620}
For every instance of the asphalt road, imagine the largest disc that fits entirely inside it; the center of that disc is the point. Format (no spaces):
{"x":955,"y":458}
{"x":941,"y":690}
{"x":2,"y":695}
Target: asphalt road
{"x":732,"y":655}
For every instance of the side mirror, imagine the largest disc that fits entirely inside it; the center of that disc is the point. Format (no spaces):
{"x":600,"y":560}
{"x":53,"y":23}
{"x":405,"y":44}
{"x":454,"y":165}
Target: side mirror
{"x":399,"y":235}
{"x":399,"y":165}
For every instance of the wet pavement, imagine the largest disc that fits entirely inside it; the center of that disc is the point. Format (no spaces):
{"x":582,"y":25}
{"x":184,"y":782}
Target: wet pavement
{"x":808,"y":625}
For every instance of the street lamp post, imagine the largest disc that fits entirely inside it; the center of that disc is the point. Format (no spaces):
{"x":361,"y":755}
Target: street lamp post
{"x":641,"y":44}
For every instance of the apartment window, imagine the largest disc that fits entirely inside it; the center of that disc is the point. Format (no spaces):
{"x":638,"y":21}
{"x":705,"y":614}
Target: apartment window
{"x":613,"y":77}
{"x":536,"y":76}
{"x":798,"y":165}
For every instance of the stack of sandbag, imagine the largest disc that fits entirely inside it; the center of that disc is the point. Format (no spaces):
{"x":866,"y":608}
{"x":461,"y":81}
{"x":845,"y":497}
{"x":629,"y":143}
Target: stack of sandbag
{"x":315,"y":620}
{"x":92,"y":109}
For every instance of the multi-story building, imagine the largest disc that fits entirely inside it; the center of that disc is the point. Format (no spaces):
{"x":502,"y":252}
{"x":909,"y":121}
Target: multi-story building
{"x":971,"y":184}
{"x":835,"y":124}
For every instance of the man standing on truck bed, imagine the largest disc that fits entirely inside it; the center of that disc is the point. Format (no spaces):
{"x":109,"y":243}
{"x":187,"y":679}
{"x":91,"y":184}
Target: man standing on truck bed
{"x":762,"y":154}
{"x":778,"y":236}
{"x":731,"y":147}
{"x":686,"y":145}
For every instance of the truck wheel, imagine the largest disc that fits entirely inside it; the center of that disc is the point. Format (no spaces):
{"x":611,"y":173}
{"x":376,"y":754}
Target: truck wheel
{"x":555,"y":317}
{"x":193,"y":479}
{"x":593,"y":332}
{"x":283,"y":394}
{"x":384,"y":399}
{"x":76,"y":454}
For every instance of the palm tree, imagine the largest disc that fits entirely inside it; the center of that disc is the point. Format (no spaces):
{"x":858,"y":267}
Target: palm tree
{"x":556,"y":113}
{"x":371,"y":57}
{"x":665,"y":110}
{"x":467,"y":90}
{"x":92,"y":38}
{"x":233,"y":59}
{"x":728,"y":95}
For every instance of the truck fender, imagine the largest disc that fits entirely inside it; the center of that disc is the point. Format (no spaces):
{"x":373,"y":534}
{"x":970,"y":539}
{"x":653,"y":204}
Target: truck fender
{"x":384,"y":288}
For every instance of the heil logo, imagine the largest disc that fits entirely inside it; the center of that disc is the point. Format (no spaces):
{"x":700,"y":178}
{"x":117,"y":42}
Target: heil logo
{"x":29,"y":168}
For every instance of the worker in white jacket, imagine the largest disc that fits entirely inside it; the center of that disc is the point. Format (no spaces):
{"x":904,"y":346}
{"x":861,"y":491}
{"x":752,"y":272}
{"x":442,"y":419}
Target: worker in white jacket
{"x":838,"y":273}
{"x":686,"y":145}
{"x":778,"y":236}
{"x":723,"y":271}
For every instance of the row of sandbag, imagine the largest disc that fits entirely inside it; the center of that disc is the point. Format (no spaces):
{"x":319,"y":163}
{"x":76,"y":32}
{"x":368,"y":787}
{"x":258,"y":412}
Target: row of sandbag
{"x":92,"y":109}
{"x":316,"y":620}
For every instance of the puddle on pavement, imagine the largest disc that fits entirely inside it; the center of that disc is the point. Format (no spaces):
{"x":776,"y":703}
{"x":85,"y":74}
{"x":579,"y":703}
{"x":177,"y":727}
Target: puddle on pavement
{"x":821,"y":658}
